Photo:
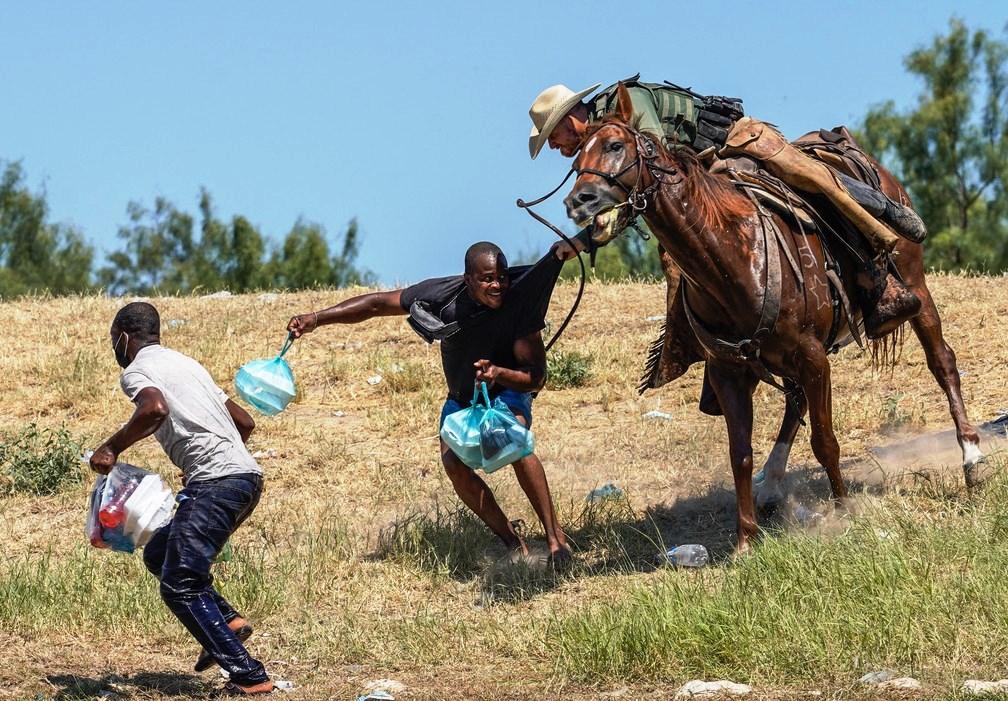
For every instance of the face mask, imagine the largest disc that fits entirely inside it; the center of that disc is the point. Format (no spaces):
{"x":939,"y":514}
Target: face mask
{"x":120,"y":357}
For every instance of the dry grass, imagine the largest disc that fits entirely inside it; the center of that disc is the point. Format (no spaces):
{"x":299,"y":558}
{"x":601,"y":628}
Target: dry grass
{"x":359,"y":565}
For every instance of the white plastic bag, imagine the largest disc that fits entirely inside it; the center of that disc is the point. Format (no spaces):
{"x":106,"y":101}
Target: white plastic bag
{"x":126,"y":507}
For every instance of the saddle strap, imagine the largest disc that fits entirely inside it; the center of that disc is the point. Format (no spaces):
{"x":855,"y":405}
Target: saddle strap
{"x":747,"y":351}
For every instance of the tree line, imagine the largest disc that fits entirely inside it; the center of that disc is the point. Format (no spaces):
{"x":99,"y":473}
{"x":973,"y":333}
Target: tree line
{"x":949,"y":149}
{"x":164,"y":249}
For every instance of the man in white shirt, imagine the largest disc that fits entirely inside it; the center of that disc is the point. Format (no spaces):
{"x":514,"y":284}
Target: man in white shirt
{"x":204,"y":434}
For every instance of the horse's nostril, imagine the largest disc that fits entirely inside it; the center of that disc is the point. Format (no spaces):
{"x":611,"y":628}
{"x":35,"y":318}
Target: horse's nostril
{"x":586,"y":197}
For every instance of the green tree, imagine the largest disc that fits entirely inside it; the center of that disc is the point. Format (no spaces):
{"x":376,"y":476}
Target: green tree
{"x":229,"y":256}
{"x":36,"y":255}
{"x":247,"y":249}
{"x":158,"y":251}
{"x":950,"y":150}
{"x":304,"y":260}
{"x":162,"y":252}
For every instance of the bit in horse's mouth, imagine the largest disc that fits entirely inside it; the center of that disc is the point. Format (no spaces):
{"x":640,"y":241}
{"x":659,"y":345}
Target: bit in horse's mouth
{"x":607,"y":225}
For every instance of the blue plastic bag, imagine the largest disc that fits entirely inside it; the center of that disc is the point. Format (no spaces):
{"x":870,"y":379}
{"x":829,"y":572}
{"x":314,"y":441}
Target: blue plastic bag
{"x":487,"y":436}
{"x":267,"y":384}
{"x":461,"y":431}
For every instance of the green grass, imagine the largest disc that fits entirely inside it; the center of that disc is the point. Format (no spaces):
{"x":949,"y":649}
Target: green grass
{"x":898,"y":589}
{"x":566,"y":369}
{"x":39,"y":461}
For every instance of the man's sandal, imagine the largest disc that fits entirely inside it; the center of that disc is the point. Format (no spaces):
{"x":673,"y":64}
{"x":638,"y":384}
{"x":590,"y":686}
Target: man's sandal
{"x":232,"y":689}
{"x":206,"y":660}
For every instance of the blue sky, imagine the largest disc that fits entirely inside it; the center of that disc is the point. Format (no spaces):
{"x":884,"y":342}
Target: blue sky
{"x":413,"y":117}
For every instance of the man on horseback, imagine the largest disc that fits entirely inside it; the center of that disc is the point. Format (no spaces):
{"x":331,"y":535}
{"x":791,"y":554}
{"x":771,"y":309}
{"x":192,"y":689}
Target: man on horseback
{"x":714,"y":126}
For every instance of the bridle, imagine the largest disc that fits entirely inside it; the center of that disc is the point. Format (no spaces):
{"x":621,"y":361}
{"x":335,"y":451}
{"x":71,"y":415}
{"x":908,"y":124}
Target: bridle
{"x":645,"y":160}
{"x":647,"y":154}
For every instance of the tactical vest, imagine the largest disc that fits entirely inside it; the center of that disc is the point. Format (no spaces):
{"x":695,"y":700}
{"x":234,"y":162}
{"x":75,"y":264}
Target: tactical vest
{"x":687,"y":118}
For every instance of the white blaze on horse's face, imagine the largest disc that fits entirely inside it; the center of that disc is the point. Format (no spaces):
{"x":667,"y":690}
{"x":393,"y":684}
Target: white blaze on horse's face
{"x":597,"y":196}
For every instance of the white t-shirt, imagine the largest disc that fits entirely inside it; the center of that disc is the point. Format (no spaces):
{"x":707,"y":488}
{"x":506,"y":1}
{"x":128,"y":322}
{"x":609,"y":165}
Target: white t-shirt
{"x":199,"y":435}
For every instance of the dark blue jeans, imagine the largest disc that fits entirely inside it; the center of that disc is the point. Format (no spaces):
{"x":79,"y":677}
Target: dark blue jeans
{"x":180,"y":554}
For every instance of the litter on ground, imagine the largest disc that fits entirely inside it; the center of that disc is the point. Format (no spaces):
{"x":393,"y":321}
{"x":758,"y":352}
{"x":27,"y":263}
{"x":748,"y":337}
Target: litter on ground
{"x":699,"y":687}
{"x":606,"y":491}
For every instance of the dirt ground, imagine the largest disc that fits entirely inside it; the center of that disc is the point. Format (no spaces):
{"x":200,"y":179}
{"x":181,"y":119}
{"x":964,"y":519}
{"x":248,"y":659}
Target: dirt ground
{"x":366,"y":455}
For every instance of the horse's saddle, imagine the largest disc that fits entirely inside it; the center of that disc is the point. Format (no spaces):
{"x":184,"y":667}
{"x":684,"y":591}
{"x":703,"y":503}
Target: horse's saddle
{"x":835,"y":148}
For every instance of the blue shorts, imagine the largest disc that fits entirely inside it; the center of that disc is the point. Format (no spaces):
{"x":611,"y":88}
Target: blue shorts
{"x":520,"y":404}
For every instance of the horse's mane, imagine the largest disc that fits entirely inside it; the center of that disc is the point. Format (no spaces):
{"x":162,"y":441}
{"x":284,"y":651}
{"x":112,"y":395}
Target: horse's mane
{"x":718,"y":203}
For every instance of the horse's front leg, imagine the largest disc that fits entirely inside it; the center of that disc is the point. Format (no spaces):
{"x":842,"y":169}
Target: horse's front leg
{"x":769,"y":482}
{"x":814,"y":377}
{"x":941,"y":362}
{"x":734,"y":385}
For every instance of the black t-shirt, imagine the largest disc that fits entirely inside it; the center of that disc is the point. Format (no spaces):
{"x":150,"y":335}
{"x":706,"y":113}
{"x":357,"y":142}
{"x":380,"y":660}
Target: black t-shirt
{"x":486,"y":333}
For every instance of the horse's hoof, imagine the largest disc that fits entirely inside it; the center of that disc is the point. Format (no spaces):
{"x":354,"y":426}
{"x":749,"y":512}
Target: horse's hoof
{"x":769,"y":501}
{"x":976,"y":472}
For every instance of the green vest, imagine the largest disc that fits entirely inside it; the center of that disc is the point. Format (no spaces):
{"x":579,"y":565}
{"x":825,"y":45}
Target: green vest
{"x":660,"y":110}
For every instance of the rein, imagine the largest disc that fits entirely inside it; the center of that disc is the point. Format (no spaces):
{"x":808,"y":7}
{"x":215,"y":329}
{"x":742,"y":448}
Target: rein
{"x":527,"y":206}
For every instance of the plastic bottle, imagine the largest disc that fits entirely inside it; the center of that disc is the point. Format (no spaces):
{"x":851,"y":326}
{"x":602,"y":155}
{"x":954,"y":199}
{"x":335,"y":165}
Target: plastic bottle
{"x":113,"y":513}
{"x":606,"y":491}
{"x":692,"y":555}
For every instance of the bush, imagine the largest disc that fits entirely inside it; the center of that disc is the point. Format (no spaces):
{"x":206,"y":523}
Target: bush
{"x":39,"y":461}
{"x":567,"y":369}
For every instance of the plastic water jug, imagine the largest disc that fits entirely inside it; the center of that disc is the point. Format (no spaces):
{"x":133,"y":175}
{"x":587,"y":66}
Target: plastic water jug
{"x":127,"y":507}
{"x":267,"y":384}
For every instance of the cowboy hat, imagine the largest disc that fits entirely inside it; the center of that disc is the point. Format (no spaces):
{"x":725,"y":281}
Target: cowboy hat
{"x":549,"y":108}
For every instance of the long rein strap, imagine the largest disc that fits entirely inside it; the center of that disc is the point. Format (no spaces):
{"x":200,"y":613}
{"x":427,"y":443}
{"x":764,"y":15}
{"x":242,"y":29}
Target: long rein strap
{"x":527,"y":206}
{"x":631,"y":200}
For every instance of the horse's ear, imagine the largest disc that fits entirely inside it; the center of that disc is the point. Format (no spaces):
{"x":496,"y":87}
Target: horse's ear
{"x":624,"y":105}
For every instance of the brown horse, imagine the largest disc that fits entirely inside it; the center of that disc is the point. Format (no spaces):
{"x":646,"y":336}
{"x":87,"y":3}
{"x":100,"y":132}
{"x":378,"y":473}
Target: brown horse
{"x":755,"y":317}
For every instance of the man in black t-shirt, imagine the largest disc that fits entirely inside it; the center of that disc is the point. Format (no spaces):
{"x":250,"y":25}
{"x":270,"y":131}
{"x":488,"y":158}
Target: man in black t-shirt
{"x":498,"y":341}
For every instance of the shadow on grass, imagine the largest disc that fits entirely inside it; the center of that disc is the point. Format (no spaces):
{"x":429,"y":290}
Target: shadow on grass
{"x":72,"y":686}
{"x":611,"y":536}
{"x":608,"y":537}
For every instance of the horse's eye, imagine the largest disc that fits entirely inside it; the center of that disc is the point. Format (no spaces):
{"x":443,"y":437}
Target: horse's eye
{"x":616,"y":146}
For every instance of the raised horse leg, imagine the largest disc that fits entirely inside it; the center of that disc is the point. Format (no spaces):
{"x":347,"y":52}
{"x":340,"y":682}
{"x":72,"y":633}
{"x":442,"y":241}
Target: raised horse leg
{"x":768,"y":483}
{"x":734,"y":387}
{"x":941,"y":360}
{"x":814,"y":377}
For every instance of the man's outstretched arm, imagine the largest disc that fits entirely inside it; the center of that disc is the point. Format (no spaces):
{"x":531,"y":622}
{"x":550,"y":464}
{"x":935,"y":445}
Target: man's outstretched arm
{"x":351,"y":311}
